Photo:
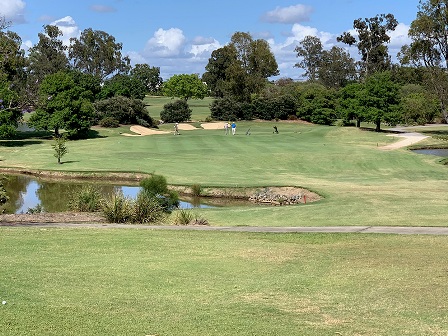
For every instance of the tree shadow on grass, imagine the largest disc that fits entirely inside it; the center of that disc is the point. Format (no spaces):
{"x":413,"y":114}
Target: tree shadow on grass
{"x":19,"y":143}
{"x":62,"y":162}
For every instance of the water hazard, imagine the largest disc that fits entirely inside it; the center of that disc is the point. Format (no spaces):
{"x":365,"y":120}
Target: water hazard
{"x":26,"y":193}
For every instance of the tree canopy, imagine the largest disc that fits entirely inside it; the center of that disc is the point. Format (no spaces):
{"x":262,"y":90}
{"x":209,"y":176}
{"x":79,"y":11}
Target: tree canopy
{"x":96,"y":52}
{"x":185,"y":87}
{"x":371,"y":39}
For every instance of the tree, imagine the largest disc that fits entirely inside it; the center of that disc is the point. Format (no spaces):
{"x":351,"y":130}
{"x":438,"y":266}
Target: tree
{"x":241,"y":68}
{"x":10,"y":115}
{"x":310,"y":49}
{"x":97,"y":53}
{"x":316,"y":104}
{"x":372,"y":36}
{"x":337,"y":68}
{"x":12,"y":61}
{"x":350,"y":104}
{"x":216,"y":70}
{"x":59,"y":147}
{"x":63,"y":104}
{"x":123,"y":85}
{"x":185,"y":87}
{"x":429,"y":47}
{"x":48,"y":56}
{"x":381,"y":99}
{"x":148,"y":76}
{"x":418,"y":105}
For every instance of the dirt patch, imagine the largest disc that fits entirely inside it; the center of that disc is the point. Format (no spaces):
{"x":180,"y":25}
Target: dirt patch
{"x":59,"y":217}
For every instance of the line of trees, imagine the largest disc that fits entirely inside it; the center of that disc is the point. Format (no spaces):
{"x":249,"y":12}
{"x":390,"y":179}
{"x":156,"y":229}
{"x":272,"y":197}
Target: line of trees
{"x":372,"y":89}
{"x":65,"y":85}
{"x":89,"y":81}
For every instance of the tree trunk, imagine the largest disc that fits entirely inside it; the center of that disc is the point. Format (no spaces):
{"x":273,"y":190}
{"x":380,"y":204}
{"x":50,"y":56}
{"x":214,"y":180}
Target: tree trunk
{"x":378,"y":125}
{"x":358,"y":122}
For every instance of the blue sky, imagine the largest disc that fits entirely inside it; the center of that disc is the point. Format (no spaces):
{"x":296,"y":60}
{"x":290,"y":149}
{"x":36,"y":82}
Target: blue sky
{"x":179,"y":35}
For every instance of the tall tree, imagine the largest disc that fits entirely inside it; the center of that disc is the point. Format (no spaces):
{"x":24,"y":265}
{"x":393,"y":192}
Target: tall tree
{"x":12,"y":60}
{"x":241,"y":68}
{"x":310,"y":51}
{"x":216,"y":70}
{"x":148,"y":76}
{"x":10,"y":115}
{"x":48,"y":56}
{"x":429,"y":47}
{"x":371,"y":40}
{"x":337,"y":68}
{"x":97,"y":53}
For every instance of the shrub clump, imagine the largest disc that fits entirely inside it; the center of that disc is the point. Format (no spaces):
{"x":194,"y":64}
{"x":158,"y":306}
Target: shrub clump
{"x":88,"y":199}
{"x":177,"y":111}
{"x":109,"y":122}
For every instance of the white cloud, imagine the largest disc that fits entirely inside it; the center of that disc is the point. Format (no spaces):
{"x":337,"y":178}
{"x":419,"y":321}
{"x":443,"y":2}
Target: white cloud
{"x":68,"y":28}
{"x":166,"y":43}
{"x":13,"y":10}
{"x":204,"y":49}
{"x":291,"y":14}
{"x":399,"y":36}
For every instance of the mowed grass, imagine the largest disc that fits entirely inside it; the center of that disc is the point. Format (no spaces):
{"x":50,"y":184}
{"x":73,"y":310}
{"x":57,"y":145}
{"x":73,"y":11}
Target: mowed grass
{"x":145,"y":282}
{"x":199,"y":107}
{"x":360,"y":183}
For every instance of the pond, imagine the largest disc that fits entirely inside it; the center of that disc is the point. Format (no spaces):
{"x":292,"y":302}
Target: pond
{"x":443,"y":152}
{"x":27,"y":192}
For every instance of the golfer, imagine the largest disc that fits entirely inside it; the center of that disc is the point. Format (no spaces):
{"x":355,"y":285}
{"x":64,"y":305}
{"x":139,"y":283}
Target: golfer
{"x":233,"y":128}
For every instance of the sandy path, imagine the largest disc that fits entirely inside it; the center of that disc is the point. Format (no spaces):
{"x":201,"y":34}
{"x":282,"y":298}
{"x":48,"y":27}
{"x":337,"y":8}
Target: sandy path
{"x":409,"y":139}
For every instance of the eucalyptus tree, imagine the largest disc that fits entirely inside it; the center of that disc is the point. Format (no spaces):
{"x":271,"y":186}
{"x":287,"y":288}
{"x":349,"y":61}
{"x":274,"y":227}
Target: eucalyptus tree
{"x":429,"y":47}
{"x":96,"y":52}
{"x":48,"y":56}
{"x":185,"y":86}
{"x":309,"y":51}
{"x":371,"y":38}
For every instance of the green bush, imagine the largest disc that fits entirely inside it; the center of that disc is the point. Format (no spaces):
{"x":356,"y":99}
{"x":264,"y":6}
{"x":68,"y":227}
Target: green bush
{"x":88,"y":199}
{"x":125,"y":110}
{"x":196,"y":189}
{"x":109,"y":122}
{"x":157,"y":186}
{"x":146,"y":209}
{"x":177,"y":111}
{"x":188,"y":217}
{"x":118,"y":208}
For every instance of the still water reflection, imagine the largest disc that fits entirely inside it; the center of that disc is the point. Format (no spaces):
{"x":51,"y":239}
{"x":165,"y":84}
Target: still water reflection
{"x":26,"y":192}
{"x":437,"y":152}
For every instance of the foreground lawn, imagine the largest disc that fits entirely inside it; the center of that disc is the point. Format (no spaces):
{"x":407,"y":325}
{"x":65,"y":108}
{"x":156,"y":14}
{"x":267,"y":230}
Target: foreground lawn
{"x":145,"y":282}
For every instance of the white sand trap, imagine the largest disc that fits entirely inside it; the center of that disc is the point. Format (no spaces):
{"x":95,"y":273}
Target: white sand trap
{"x":213,"y":126}
{"x":186,"y":127}
{"x":409,"y":139}
{"x":140,"y":130}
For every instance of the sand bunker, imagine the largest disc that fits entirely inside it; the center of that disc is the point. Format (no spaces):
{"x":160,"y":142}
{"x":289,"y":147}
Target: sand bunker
{"x":213,"y":126}
{"x":186,"y":127}
{"x":140,"y":130}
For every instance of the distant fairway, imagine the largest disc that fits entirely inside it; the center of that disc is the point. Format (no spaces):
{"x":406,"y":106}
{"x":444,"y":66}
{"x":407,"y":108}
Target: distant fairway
{"x":361,"y":184}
